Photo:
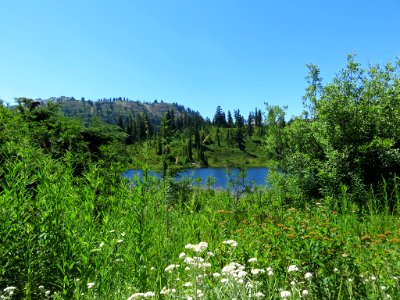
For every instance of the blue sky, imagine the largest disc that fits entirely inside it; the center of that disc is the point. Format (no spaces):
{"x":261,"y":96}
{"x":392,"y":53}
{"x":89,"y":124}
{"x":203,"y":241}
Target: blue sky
{"x":237,"y":54}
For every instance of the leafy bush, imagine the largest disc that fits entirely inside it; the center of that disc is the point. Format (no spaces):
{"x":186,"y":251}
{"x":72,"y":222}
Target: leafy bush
{"x":349,"y":135}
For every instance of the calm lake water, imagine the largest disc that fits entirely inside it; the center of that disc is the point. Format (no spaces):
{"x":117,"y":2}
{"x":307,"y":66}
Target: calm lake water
{"x":222,"y":176}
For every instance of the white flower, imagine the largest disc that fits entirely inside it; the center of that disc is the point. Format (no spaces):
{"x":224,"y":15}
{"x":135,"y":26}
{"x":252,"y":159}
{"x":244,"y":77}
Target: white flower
{"x":122,"y":233}
{"x":252,"y":260}
{"x":373,"y":278}
{"x":335,"y":270}
{"x":224,"y":280}
{"x":293,"y":268}
{"x":47,"y":293}
{"x":187,"y":284}
{"x":308,"y":275}
{"x":232,"y":243}
{"x":256,"y":271}
{"x":9,"y":289}
{"x":241,"y":274}
{"x":304,"y":292}
{"x":285,"y":294}
{"x":201,"y":247}
{"x":217,"y":275}
{"x":41,"y":287}
{"x":182,"y":255}
{"x":170,"y":268}
{"x":120,"y":241}
{"x":383,"y":287}
{"x":136,"y":296}
{"x":90,"y":285}
{"x":188,"y":246}
{"x":259,"y":295}
{"x":249,"y":285}
{"x":149,"y":294}
{"x":210,"y":254}
{"x":101,"y":244}
{"x":270,"y":273}
{"x":293,"y":282}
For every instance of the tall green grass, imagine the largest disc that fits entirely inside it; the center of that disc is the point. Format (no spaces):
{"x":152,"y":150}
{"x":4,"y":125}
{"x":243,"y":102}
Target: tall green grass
{"x":99,"y":236}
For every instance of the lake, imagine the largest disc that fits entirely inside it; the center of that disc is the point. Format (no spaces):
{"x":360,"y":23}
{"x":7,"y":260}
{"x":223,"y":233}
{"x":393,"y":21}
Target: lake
{"x":222,"y":176}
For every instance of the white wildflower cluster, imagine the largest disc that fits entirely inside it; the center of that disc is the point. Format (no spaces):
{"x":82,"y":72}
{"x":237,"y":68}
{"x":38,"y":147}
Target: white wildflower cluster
{"x":171,"y":267}
{"x":235,"y":271}
{"x":9,"y":291}
{"x":231,"y":243}
{"x":142,"y":295}
{"x":198,"y":248}
{"x":292,"y":268}
{"x":166,"y":291}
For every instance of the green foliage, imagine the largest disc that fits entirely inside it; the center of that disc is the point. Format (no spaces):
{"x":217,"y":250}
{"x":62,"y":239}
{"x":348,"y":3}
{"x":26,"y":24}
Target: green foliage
{"x":93,"y":234}
{"x":349,"y":134}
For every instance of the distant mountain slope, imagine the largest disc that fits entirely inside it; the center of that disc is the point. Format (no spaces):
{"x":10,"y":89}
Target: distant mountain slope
{"x":113,"y":110}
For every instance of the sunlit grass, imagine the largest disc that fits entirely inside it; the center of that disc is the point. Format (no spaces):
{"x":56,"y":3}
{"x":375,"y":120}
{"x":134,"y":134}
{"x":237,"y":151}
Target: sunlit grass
{"x":99,"y":237}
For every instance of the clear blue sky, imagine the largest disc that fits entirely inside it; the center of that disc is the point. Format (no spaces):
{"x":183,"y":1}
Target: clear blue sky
{"x":204,"y":53}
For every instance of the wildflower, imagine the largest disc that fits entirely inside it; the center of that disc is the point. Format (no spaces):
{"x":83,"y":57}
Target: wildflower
{"x":270,"y":273}
{"x":9,"y":289}
{"x":201,"y":247}
{"x":216,"y":275}
{"x":187,"y":284}
{"x":373,"y":278}
{"x":383,"y":287}
{"x":256,"y":271}
{"x":224,"y":280}
{"x":252,"y":260}
{"x":170,"y":268}
{"x":232,"y":243}
{"x":149,"y":294}
{"x":47,"y":293}
{"x":292,"y":268}
{"x":259,"y":295}
{"x":41,"y":287}
{"x":120,"y":241}
{"x":187,"y":269}
{"x":101,"y":244}
{"x":304,"y":292}
{"x":136,"y":296}
{"x":285,"y":294}
{"x":350,"y":280}
{"x":122,"y":233}
{"x":210,"y":254}
{"x":188,"y":246}
{"x":335,"y":270}
{"x":189,"y":260}
{"x":240,"y":281}
{"x":308,"y":275}
{"x":90,"y":285}
{"x":182,"y":255}
{"x":345,"y":255}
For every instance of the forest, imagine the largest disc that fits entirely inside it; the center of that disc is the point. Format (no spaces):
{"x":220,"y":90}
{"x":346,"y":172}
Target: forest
{"x":325,"y":227}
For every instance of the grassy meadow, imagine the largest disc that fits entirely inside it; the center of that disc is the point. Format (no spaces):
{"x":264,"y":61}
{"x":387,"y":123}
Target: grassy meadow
{"x":99,"y":237}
